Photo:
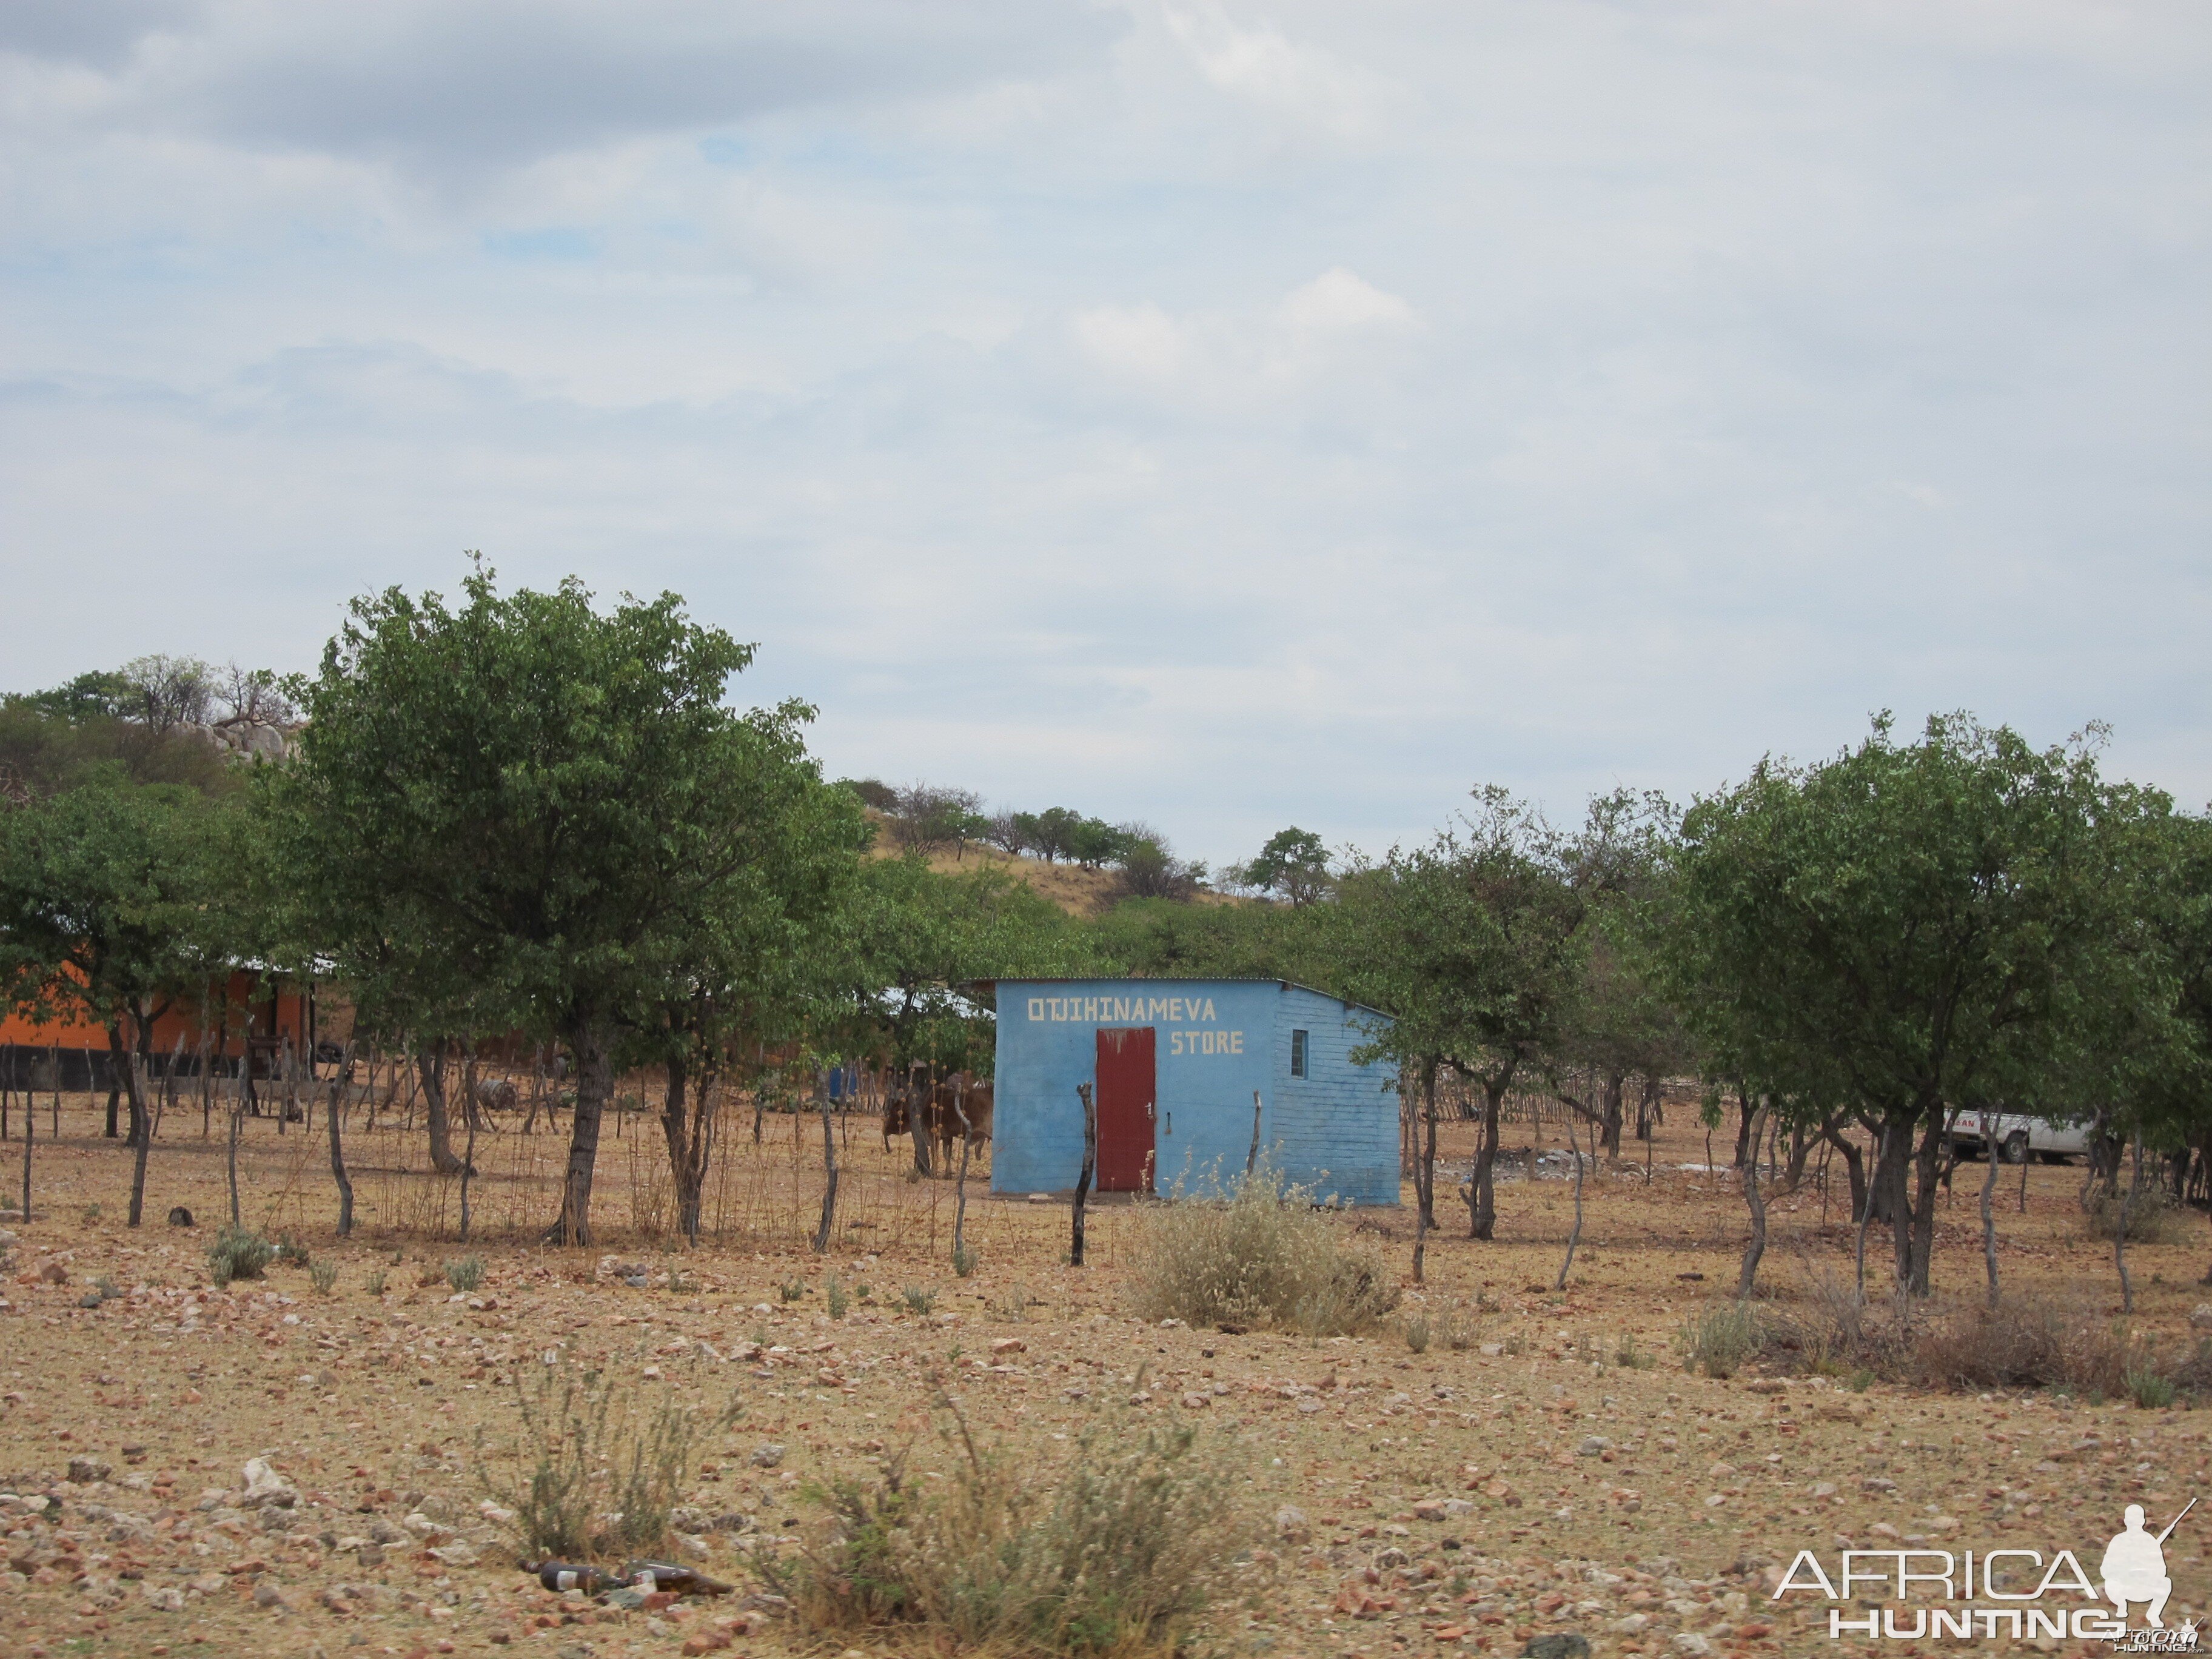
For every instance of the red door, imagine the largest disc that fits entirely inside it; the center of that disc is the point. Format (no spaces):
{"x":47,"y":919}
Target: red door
{"x":1125,"y":1100}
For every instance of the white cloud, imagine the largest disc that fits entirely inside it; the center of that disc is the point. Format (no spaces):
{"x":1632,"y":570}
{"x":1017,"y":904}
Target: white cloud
{"x":1342,"y":300}
{"x":1258,"y":63}
{"x":1140,"y":341}
{"x":1219,"y":415}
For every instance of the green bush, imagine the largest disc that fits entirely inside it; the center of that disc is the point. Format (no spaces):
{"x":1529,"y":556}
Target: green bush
{"x":373,"y":1284}
{"x":965,"y":1261}
{"x":835,"y":1293}
{"x":238,"y":1253}
{"x":918,"y":1300}
{"x":324,"y":1275}
{"x":1720,"y":1341}
{"x":1113,"y":1552}
{"x":465,"y":1272}
{"x":2149,"y":1388}
{"x":1262,"y":1258}
{"x":1416,"y":1331}
{"x":792,"y":1289}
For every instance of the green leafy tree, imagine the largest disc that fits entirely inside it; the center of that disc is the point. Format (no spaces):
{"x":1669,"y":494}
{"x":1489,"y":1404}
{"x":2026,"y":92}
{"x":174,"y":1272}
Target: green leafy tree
{"x":1094,"y":842}
{"x":1165,"y":939}
{"x":1050,"y":834}
{"x":169,"y":691}
{"x":1913,"y":929}
{"x":98,"y":695}
{"x":1477,"y":946}
{"x":916,"y":951}
{"x":759,"y":972}
{"x":520,"y":807}
{"x":1146,"y":867}
{"x":929,"y":817}
{"x":110,"y":903}
{"x":61,"y":740}
{"x":1478,"y":950}
{"x":1293,"y":865}
{"x":1625,"y":1027}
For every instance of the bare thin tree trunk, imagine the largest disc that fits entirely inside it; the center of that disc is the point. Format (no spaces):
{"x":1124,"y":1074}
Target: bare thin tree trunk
{"x":1989,"y":1205}
{"x":430,"y":1065}
{"x":142,"y":1132}
{"x":1748,"y":1279}
{"x":1252,"y":1153}
{"x":30,"y":1135}
{"x":1854,"y":1160}
{"x":687,"y":1121}
{"x":1425,"y":1172}
{"x":1866,"y":1210}
{"x":960,"y":1181}
{"x":469,"y":1159}
{"x":1481,"y":1192}
{"x":538,"y":1091}
{"x":230,"y":1156}
{"x":594,"y":1083}
{"x":829,"y":1180}
{"x":337,"y":1154}
{"x":1090,"y":1168}
{"x":1575,"y":1238}
{"x":2120,"y":1237}
{"x":917,"y":1115}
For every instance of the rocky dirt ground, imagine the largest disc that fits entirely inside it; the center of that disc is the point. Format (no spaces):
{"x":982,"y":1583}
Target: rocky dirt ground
{"x":269,"y":1470}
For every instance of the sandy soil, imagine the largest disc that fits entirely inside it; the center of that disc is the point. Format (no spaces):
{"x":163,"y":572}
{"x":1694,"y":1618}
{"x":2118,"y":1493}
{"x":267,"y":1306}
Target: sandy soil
{"x":1529,"y":1482}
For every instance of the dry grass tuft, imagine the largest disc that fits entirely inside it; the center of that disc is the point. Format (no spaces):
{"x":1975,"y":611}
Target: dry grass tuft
{"x":593,"y":1470}
{"x":1114,"y":1552}
{"x":1262,"y":1258}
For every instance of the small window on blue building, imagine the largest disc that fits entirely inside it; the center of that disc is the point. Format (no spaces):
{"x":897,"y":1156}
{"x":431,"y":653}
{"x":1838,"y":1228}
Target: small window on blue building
{"x":1297,"y":1053}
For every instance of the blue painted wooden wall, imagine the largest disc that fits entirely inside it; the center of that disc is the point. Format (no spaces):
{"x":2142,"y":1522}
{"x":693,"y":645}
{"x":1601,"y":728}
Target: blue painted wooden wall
{"x":1335,"y":1130}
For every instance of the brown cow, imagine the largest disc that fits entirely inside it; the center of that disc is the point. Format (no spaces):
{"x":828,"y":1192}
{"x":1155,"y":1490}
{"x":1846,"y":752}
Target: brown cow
{"x":959,"y":1098}
{"x":937,"y":1107}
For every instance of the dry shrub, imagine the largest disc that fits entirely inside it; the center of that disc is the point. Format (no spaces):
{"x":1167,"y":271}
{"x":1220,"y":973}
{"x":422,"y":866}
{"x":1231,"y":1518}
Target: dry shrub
{"x":1113,"y":1552}
{"x":1264,"y":1258}
{"x":2151,"y":1216}
{"x":651,"y":1194}
{"x":2025,"y":1342}
{"x":593,"y":1470}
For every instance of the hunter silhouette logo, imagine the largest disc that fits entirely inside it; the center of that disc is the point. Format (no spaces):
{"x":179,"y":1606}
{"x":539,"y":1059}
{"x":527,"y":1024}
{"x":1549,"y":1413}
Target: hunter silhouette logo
{"x":2134,"y":1567}
{"x":2012,"y":1592}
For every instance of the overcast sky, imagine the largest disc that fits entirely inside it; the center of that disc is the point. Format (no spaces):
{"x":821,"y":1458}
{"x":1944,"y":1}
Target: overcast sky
{"x":1221,"y":414}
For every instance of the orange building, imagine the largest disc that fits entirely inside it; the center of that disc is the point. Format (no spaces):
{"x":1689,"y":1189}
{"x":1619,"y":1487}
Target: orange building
{"x":254,"y":1014}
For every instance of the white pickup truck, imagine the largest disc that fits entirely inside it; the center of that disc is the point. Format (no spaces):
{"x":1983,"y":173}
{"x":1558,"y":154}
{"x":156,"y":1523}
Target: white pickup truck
{"x":2017,"y":1136}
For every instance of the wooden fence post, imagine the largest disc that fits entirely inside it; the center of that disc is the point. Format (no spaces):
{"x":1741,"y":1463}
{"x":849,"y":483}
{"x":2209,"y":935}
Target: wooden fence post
{"x":1090,"y":1168}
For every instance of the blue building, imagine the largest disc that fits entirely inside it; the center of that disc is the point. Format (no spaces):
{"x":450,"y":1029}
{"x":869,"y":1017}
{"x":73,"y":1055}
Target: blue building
{"x":1175,"y":1064}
